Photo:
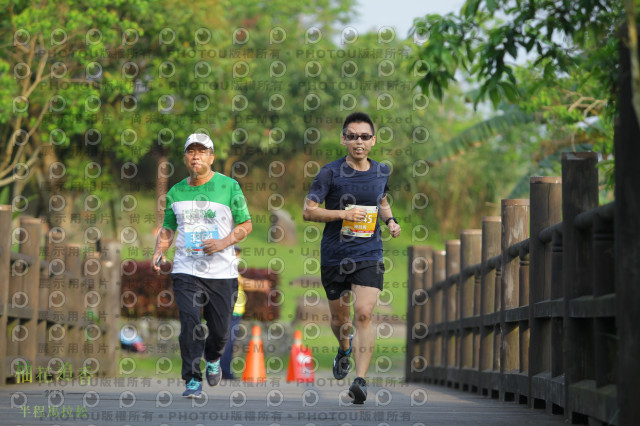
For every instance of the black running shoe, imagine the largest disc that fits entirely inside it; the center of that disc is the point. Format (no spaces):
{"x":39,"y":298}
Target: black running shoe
{"x":341,"y":364}
{"x":358,"y":390}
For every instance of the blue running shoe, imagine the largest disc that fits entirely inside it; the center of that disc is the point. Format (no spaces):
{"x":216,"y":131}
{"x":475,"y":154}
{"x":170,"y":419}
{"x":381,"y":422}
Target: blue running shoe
{"x":194,"y":389}
{"x":213,"y":373}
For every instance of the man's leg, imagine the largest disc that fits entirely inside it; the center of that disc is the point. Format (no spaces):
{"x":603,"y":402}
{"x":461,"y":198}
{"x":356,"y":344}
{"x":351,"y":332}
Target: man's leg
{"x":364,"y":336}
{"x":341,"y":319}
{"x":222,"y":296}
{"x":189,"y":298}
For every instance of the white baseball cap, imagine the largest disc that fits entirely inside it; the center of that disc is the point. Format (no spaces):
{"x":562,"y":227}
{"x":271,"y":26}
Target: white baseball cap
{"x":200,"y":138}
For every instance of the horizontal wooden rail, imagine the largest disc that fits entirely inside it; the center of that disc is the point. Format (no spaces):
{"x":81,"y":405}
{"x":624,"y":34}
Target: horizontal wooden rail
{"x":585,"y":220}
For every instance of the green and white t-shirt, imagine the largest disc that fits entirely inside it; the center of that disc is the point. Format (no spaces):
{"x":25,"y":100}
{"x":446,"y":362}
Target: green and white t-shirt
{"x":203,"y":212}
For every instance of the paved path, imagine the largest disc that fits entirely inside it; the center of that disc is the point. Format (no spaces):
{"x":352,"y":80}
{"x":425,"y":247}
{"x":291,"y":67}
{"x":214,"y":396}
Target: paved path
{"x":159,"y":402}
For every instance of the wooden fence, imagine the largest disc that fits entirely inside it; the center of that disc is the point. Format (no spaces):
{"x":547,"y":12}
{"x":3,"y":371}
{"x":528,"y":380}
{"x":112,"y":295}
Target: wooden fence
{"x":59,"y":304}
{"x":539,"y":306}
{"x":525,"y":319}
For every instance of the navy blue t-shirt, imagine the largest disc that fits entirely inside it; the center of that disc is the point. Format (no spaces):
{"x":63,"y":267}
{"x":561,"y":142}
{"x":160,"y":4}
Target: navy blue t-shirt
{"x":338,"y":185}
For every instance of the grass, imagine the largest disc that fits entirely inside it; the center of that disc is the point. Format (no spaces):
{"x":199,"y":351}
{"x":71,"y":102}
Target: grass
{"x":149,"y":365}
{"x":388,"y":359}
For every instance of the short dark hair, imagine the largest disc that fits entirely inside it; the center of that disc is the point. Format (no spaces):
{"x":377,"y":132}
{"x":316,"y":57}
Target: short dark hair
{"x":358,"y":117}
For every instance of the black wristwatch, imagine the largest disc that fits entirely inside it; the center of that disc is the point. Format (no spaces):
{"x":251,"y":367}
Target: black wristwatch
{"x":386,"y":222}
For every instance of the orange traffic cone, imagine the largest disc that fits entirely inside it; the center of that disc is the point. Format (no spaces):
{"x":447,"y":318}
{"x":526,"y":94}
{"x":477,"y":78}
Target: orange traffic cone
{"x":255,"y":370}
{"x":300,"y":361}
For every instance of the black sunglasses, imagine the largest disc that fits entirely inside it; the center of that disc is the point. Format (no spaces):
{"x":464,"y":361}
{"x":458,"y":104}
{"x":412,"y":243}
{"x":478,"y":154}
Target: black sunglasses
{"x":354,"y":136}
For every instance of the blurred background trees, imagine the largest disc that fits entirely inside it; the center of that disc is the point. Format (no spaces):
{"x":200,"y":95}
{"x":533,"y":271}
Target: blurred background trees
{"x":546,"y":66}
{"x":98,"y":98}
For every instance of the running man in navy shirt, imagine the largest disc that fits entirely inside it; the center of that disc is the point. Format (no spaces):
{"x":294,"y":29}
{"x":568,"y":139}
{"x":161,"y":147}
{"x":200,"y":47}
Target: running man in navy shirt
{"x":353,"y":190}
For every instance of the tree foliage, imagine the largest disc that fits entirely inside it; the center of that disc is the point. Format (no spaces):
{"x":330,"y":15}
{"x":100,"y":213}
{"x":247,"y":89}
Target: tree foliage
{"x":271,"y":82}
{"x":93,"y":86}
{"x":487,"y":36}
{"x":553,"y":63}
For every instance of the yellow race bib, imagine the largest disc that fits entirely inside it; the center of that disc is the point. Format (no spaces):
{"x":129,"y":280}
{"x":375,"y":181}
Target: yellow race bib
{"x":364,"y":228}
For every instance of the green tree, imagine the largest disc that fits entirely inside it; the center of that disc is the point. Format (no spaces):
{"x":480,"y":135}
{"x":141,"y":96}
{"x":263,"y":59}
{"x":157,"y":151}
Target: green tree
{"x":567,"y":85}
{"x":92,"y":87}
{"x":487,"y":36}
{"x":54,"y":62}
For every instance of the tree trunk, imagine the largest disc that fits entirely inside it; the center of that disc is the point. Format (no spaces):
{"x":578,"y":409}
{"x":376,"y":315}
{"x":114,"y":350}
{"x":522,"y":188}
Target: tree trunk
{"x":162,"y":182}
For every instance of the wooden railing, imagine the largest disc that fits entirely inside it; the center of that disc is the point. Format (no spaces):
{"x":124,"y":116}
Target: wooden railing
{"x":59,"y":304}
{"x":547,"y":318}
{"x":524,"y":309}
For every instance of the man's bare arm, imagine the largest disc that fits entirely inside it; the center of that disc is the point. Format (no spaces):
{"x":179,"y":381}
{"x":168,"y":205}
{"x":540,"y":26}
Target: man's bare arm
{"x":238,"y":234}
{"x":385,"y":214}
{"x":163,"y":242}
{"x":314,"y":213}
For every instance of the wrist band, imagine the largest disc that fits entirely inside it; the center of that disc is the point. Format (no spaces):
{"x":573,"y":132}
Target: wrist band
{"x":386,"y":222}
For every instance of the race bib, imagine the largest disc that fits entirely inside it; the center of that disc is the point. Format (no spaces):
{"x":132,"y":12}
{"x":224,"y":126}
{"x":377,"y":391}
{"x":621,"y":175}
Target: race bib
{"x":364,"y":228}
{"x":195,"y":234}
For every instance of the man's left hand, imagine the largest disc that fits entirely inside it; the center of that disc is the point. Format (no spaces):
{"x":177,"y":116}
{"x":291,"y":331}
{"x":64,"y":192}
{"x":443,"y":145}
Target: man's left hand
{"x":394,"y":229}
{"x":211,"y":246}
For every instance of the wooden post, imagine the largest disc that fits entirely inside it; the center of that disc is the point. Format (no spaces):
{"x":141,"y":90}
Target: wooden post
{"x":497,"y":329}
{"x":477,"y":330}
{"x":92,"y":332}
{"x":43,"y":301}
{"x":579,"y":194}
{"x":523,"y":285}
{"x":423,"y":301}
{"x":627,"y":243}
{"x":491,"y":246}
{"x":470,"y":254}
{"x":439,"y":275}
{"x":418,"y":265}
{"x":53,"y":300}
{"x":16,"y":306}
{"x":557,"y":323}
{"x":111,"y":274}
{"x":515,"y":226}
{"x":605,"y":328}
{"x":5,"y":272}
{"x":451,"y":297}
{"x":73,"y":261}
{"x":546,"y":210}
{"x":28,"y":347}
{"x":515,"y":223}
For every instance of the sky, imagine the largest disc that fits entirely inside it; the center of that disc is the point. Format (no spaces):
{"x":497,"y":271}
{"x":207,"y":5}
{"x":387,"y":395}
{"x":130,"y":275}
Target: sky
{"x":399,"y":14}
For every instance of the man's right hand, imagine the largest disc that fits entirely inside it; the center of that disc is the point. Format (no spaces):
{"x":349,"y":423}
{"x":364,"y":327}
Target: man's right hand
{"x":355,"y":215}
{"x":156,"y":261}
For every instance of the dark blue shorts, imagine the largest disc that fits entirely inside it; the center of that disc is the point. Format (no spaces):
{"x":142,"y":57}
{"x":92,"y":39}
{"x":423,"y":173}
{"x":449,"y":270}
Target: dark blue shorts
{"x":337,"y":279}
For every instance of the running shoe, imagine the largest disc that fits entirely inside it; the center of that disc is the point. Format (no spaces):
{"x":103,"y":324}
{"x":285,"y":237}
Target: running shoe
{"x":213,"y":373}
{"x":358,"y":390}
{"x":194,"y":389}
{"x":341,"y":363}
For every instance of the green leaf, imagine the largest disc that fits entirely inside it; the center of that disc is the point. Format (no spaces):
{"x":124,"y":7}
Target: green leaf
{"x":494,"y":94}
{"x":470,"y":8}
{"x":436,"y":89}
{"x":512,"y":49}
